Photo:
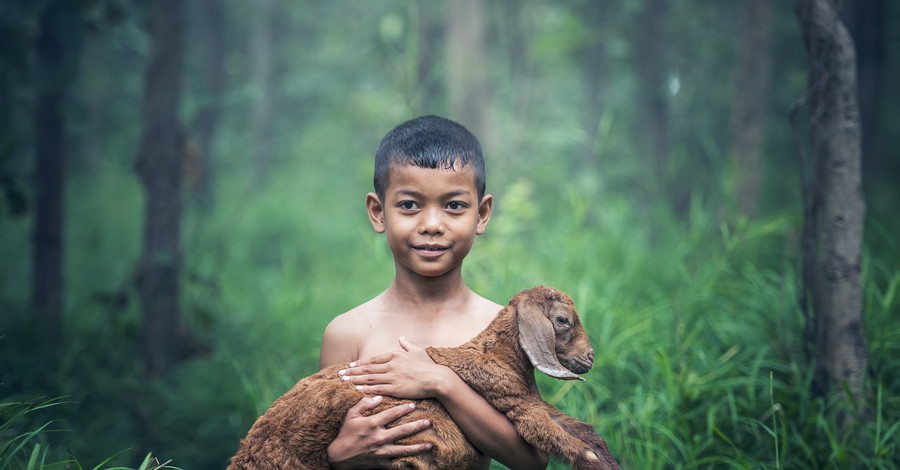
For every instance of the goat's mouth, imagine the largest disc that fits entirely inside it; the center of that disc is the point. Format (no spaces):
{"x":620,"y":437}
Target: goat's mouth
{"x":579,"y":364}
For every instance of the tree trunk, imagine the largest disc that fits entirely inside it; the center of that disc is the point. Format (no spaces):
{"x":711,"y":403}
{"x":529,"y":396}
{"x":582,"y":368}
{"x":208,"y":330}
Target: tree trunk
{"x":749,"y":113}
{"x":57,"y":50}
{"x":159,"y":169}
{"x":262,"y":44}
{"x":428,"y":33}
{"x":868,"y":33}
{"x":838,"y":208}
{"x":653,"y":107}
{"x":593,"y":61}
{"x":212,"y":58}
{"x":467,"y":83}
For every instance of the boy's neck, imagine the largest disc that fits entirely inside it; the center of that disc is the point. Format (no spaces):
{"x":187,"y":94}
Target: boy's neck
{"x":428,"y":290}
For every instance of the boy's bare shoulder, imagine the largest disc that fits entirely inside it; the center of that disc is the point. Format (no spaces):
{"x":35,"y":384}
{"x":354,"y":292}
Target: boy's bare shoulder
{"x":485,"y":308}
{"x":346,"y":332}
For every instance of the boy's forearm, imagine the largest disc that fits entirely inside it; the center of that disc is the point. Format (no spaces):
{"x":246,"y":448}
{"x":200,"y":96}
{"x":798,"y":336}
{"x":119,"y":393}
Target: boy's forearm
{"x":487,"y":429}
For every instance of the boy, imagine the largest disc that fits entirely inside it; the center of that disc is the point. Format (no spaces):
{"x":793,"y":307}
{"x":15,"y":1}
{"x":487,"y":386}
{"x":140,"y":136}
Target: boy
{"x":430,"y":203}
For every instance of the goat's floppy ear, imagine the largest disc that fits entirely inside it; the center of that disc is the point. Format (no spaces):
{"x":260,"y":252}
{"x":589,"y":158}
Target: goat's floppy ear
{"x":538,"y":340}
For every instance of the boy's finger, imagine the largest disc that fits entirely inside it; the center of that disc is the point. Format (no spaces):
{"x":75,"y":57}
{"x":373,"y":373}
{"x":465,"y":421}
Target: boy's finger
{"x":407,"y":450}
{"x":379,"y":359}
{"x":364,"y":370}
{"x":375,"y":389}
{"x":391,"y":414}
{"x":363,"y":405}
{"x":408,"y":345}
{"x":408,"y":429}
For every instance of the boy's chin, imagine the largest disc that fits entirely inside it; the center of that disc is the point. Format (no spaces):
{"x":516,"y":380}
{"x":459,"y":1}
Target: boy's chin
{"x":430,"y":272}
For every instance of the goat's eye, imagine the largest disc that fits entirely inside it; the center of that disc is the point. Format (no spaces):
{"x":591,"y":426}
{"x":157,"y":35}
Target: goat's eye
{"x":562,"y":321}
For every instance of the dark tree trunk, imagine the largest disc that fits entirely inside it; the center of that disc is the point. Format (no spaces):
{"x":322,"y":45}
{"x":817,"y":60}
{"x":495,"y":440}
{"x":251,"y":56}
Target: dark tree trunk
{"x":159,"y":169}
{"x":521,"y":66}
{"x":653,"y":105}
{"x":212,"y":59}
{"x":593,"y":60}
{"x":838,"y":209}
{"x":57,"y":49}
{"x":467,"y":81}
{"x":428,"y":36}
{"x":749,"y":112}
{"x":867,"y":24}
{"x":262,"y":46}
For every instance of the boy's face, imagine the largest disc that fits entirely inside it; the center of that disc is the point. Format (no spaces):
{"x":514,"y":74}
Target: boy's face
{"x":430,"y":217}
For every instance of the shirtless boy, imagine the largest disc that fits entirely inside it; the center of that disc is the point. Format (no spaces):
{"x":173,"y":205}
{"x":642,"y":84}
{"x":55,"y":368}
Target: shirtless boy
{"x":430,"y":203}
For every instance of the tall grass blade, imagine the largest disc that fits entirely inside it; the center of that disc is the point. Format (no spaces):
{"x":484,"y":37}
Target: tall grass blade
{"x":774,"y":417}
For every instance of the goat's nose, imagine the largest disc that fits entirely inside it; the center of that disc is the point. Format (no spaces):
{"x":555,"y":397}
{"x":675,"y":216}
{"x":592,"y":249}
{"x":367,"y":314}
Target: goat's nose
{"x":590,"y":355}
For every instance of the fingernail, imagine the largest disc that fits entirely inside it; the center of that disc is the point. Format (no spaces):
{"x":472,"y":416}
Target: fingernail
{"x":352,"y":364}
{"x":344,"y":379}
{"x":342,"y":371}
{"x":412,"y":405}
{"x":428,"y":445}
{"x":427,"y":423}
{"x":359,"y":387}
{"x":376,"y":399}
{"x":403,"y":338}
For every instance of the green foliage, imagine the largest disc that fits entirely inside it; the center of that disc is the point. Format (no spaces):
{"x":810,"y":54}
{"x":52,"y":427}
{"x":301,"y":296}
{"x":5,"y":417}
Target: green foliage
{"x":19,"y":433}
{"x":692,"y":307}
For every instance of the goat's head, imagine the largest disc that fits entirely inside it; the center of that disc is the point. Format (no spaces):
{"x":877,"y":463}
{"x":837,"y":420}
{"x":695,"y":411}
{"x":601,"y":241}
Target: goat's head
{"x":551,"y":334}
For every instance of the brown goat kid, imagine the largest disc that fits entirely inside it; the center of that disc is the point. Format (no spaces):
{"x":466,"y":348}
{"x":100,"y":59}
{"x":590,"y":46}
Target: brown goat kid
{"x":539,"y":328}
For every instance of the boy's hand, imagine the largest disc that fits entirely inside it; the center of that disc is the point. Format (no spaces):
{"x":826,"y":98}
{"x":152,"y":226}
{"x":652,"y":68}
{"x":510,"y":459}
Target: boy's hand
{"x":402,"y":374}
{"x":366,"y":442}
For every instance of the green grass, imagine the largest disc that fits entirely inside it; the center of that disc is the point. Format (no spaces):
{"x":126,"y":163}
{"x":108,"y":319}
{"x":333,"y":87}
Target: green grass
{"x":23,"y":443}
{"x":699,"y":363}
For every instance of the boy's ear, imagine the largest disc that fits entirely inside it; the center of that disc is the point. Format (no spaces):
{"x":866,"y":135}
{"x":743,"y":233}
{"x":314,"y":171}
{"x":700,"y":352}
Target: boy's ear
{"x":484,"y":213}
{"x":376,"y":212}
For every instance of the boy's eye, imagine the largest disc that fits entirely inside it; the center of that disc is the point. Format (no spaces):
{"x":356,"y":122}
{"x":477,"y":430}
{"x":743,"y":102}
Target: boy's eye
{"x":407,"y":205}
{"x":456,"y":205}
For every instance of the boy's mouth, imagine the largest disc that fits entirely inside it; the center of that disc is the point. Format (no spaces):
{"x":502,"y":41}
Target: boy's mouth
{"x":430,"y":250}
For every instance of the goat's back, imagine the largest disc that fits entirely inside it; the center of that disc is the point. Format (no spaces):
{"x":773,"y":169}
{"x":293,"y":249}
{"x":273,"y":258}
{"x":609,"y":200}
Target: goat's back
{"x":296,"y":430}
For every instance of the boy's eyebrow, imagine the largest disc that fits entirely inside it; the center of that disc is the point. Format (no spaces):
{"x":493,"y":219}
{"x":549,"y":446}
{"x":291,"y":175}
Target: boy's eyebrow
{"x":413,"y":193}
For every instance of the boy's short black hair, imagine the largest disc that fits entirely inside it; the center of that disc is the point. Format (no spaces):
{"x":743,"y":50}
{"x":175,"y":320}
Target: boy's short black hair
{"x":428,"y":142}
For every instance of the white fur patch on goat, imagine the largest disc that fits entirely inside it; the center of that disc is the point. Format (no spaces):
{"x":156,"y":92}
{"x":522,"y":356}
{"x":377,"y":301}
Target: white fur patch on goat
{"x":553,"y":372}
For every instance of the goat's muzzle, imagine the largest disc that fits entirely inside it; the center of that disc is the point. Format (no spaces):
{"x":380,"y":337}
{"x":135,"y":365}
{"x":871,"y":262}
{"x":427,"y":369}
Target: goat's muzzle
{"x":581,"y":363}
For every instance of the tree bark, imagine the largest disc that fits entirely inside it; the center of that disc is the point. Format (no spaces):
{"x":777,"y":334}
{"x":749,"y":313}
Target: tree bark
{"x":262,"y":44}
{"x":653,"y":105}
{"x":868,"y":20}
{"x":57,"y":50}
{"x":428,"y":33}
{"x":159,"y":169}
{"x":749,"y":112}
{"x":467,"y":80}
{"x":212,"y":58}
{"x":593,"y":60}
{"x":838,"y":208}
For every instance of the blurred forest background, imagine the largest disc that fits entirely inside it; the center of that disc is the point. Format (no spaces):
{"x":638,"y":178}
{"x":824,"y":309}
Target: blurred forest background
{"x":182,"y":212}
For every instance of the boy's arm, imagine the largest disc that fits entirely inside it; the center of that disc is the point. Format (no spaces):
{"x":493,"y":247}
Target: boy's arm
{"x":414,"y":375}
{"x":365,"y":441}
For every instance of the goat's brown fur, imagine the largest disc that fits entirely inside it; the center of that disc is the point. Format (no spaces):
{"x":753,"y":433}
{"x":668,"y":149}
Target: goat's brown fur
{"x":539,"y":328}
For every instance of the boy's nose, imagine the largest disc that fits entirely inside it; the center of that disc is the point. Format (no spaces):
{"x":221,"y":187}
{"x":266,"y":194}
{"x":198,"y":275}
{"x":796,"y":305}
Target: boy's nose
{"x":432,"y":222}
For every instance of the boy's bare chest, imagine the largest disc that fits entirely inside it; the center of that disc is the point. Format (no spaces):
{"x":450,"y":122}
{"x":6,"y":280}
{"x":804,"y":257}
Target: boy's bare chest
{"x":385,"y":337}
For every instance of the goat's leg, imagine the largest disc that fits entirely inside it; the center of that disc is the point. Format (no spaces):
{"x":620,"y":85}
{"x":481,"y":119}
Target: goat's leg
{"x":583,"y":432}
{"x":560,"y":435}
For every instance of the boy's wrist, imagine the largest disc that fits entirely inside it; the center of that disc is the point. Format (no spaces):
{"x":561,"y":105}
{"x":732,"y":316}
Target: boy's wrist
{"x":448,"y":383}
{"x":329,"y":457}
